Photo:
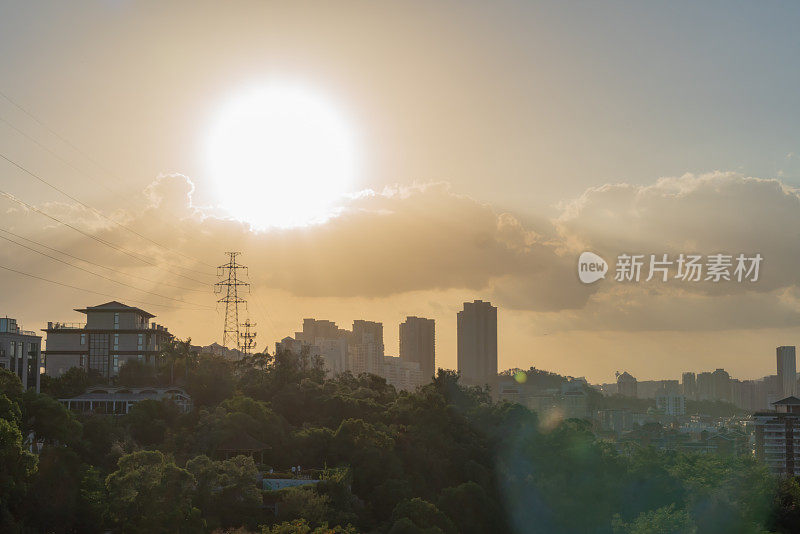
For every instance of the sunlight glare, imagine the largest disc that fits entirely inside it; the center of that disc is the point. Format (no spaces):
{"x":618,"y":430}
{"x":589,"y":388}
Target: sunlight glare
{"x":281,"y":156}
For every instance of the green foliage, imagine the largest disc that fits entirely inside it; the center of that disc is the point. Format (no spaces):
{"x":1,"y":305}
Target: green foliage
{"x":64,"y":494}
{"x":49,"y":420}
{"x":422,"y":515}
{"x":226,"y":491}
{"x":665,"y":520}
{"x":149,"y":493}
{"x":73,"y":382}
{"x":212,"y":381}
{"x":301,"y":526}
{"x":149,"y":420}
{"x":303,"y":503}
{"x":10,"y":384}
{"x":442,"y":459}
{"x":134,"y":373}
{"x":16,"y":468}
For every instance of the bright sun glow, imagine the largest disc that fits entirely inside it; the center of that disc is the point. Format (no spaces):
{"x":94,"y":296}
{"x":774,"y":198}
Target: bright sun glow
{"x":281,"y":156}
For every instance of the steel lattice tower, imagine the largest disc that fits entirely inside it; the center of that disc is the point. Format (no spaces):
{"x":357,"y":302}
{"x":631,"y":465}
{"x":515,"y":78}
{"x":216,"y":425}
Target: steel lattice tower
{"x":248,"y":342}
{"x":228,"y":286}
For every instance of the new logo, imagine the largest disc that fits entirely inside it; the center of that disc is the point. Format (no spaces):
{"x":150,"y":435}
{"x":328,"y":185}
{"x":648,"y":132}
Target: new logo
{"x":591,"y":267}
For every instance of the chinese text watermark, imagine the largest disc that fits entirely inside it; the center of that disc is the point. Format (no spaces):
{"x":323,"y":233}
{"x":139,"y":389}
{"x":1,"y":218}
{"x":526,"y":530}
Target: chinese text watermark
{"x":663,"y":267}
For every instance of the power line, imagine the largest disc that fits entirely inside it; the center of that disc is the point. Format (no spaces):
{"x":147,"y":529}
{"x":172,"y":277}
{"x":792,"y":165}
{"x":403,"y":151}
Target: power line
{"x":90,"y":290}
{"x":100,"y":265}
{"x":103,"y":276}
{"x":85,"y":155}
{"x":99,"y":213}
{"x":98,"y":239}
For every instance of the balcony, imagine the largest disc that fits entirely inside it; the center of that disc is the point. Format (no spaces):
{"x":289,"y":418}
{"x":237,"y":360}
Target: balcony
{"x":66,"y":326}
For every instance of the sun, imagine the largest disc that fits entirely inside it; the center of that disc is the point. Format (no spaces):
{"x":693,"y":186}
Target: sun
{"x":281,"y":155}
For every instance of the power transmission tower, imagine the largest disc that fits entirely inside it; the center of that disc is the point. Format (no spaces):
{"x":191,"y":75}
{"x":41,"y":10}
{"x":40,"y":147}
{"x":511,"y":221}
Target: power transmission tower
{"x":248,"y":338}
{"x":228,"y":286}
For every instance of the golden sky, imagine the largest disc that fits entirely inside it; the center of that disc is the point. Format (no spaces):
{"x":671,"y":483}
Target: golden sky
{"x":491,"y":144}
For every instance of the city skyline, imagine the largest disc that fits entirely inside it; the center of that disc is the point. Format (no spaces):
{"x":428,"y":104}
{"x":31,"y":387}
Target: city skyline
{"x":423,"y":189}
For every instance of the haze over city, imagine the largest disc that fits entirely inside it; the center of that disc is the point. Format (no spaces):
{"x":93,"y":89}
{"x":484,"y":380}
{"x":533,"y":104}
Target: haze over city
{"x":376,"y":171}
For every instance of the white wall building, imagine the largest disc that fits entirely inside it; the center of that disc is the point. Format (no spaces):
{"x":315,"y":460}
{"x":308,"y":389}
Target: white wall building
{"x":671,"y":403}
{"x":401,"y":374}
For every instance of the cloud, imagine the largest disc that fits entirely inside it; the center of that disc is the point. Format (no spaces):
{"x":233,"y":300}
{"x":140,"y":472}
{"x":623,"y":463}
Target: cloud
{"x":426,"y":238}
{"x":706,"y":214}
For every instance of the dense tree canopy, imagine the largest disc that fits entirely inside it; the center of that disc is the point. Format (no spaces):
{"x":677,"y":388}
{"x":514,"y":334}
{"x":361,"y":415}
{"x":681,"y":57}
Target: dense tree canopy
{"x":444,"y":459}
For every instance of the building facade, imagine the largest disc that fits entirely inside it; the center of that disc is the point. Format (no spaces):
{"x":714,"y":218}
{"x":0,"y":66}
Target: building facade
{"x":627,"y":385}
{"x":21,"y":353}
{"x":418,"y":344}
{"x":365,"y":350}
{"x":477,"y":343}
{"x":113,"y":334}
{"x":689,"y":385}
{"x":778,"y":437}
{"x":787,"y":370}
{"x":671,"y":404}
{"x":403,"y":375}
{"x":119,"y":401}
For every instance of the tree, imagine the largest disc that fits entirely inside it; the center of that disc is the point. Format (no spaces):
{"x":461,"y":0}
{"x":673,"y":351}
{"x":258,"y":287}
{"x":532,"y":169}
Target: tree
{"x":49,"y":420}
{"x":10,"y":383}
{"x":423,"y":515}
{"x":72,"y":383}
{"x":63,"y":494}
{"x":470,"y":508}
{"x":149,"y":493}
{"x":177,"y":350}
{"x":16,"y":468}
{"x":149,"y":420}
{"x":134,"y":373}
{"x":303,"y":503}
{"x":301,"y":526}
{"x":212,"y":381}
{"x":665,"y":520}
{"x":226,"y":491}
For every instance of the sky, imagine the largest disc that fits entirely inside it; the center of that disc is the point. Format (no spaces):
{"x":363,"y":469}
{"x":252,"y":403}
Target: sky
{"x":489,"y":144}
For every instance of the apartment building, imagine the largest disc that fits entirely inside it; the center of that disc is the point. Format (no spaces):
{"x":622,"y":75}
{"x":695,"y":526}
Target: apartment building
{"x":21,"y":352}
{"x":112,"y":334}
{"x":778,"y":437}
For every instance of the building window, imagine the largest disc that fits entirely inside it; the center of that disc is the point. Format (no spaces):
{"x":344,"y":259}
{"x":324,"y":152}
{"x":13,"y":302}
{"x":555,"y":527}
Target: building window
{"x":83,"y":361}
{"x":141,"y":342}
{"x":116,"y":321}
{"x":20,"y":359}
{"x":140,"y":358}
{"x":98,"y":353}
{"x":116,"y":341}
{"x":116,"y":363}
{"x":83,"y":339}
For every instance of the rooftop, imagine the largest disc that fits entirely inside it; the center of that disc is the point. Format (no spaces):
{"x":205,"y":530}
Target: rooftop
{"x":115,"y":306}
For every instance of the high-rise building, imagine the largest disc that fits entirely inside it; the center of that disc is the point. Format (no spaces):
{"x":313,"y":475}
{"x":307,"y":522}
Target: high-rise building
{"x":626,"y":385}
{"x":689,"y":383}
{"x":113,"y":333}
{"x":705,"y":386}
{"x":20,"y":352}
{"x":365,"y":350}
{"x":671,"y":404}
{"x":787,"y":370}
{"x":417,"y":344}
{"x":778,"y":437}
{"x":721,"y":385}
{"x":477,"y":343}
{"x":324,"y":339}
{"x":402,"y":374}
